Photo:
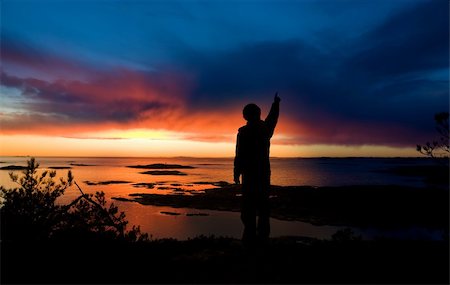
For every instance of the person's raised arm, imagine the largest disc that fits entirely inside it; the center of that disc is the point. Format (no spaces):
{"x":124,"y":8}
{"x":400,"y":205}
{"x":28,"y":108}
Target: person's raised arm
{"x":272,"y":118}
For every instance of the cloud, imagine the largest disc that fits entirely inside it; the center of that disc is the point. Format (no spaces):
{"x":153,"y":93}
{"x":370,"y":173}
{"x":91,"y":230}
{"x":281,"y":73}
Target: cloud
{"x":20,"y":57}
{"x":113,"y":99}
{"x":378,"y":88}
{"x":119,"y":96}
{"x":414,"y":40}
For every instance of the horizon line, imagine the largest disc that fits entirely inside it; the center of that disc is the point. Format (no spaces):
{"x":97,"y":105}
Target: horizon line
{"x":209,"y":157}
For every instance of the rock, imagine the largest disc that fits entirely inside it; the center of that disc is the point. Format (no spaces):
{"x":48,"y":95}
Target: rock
{"x":106,"y":182}
{"x":13,"y":167}
{"x":144,"y":185}
{"x":170,"y":213}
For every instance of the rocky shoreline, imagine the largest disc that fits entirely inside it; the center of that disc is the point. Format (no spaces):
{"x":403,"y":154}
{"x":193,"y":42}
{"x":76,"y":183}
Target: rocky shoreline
{"x":386,"y":206}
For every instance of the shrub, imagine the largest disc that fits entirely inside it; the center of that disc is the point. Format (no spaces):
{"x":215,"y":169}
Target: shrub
{"x":438,"y":148}
{"x":30,"y":211}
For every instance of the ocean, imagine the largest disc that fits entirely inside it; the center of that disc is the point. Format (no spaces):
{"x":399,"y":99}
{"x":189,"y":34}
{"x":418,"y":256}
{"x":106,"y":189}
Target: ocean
{"x":89,"y":171}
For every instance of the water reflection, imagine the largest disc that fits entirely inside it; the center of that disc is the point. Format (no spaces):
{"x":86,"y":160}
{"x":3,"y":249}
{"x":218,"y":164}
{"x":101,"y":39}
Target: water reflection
{"x":221,"y":223}
{"x":218,"y":223}
{"x":288,"y":172}
{"x":285,"y":171}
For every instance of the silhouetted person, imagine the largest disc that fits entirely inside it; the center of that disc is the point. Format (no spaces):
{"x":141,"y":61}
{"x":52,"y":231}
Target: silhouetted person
{"x":252,"y":162}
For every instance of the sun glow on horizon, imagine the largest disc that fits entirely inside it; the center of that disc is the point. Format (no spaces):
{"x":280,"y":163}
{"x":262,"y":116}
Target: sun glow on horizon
{"x":163,"y":144}
{"x":137,"y":133}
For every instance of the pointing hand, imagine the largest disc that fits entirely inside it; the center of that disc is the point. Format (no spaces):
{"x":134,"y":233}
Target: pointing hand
{"x":276,"y":99}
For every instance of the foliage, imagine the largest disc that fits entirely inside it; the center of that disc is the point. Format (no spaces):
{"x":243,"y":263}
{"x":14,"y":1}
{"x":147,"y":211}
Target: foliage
{"x":438,"y":148}
{"x":30,"y":212}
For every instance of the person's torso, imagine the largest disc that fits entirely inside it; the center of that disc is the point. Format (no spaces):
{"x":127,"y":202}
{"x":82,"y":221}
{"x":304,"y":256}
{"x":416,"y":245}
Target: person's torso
{"x":255,"y":144}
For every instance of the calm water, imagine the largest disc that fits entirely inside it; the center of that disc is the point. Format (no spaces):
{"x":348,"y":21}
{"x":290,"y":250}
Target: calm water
{"x":285,"y":172}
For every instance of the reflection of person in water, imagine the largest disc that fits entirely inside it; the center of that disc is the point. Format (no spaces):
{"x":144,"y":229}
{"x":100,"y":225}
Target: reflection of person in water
{"x":252,"y":162}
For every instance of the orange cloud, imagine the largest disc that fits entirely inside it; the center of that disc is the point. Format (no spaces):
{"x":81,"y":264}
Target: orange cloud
{"x":112,"y":103}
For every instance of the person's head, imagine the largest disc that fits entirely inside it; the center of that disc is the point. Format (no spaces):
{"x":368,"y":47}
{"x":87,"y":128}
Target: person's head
{"x":252,"y":113}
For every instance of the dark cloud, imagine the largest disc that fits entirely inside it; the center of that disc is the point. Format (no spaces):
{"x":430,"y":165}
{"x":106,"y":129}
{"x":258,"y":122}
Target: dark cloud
{"x":385,"y":77}
{"x":256,"y":68}
{"x":415,"y":40}
{"x":20,"y":55}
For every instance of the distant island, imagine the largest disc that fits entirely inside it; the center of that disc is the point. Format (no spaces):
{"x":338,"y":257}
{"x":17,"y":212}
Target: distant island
{"x":161,"y":166}
{"x":164,"y":172}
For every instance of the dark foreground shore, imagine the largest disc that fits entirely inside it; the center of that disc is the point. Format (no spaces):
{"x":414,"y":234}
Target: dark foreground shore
{"x":221,"y":260}
{"x":343,"y":259}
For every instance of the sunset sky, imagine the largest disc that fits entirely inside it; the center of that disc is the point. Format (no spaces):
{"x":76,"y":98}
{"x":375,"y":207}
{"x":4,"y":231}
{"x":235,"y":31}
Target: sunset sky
{"x":170,"y":78}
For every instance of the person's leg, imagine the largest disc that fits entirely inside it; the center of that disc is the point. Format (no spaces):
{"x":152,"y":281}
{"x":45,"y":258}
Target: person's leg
{"x":263,"y":206}
{"x":248,"y":214}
